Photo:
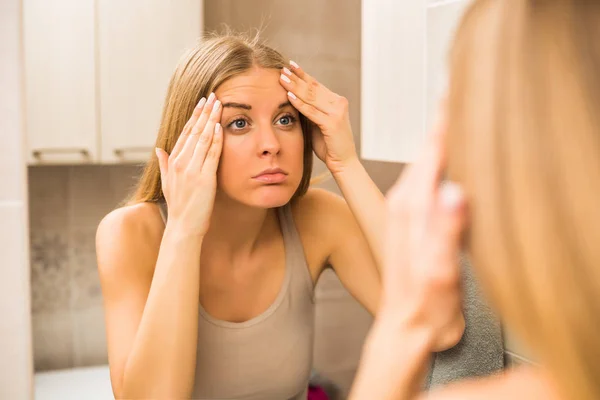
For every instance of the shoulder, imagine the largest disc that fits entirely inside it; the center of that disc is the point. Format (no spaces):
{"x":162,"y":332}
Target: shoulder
{"x":128,"y":237}
{"x":324,"y":216}
{"x":320,"y":204}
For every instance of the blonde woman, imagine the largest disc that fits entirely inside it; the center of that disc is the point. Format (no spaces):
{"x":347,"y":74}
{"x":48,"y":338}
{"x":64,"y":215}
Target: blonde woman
{"x":208,"y":274}
{"x":523,"y":141}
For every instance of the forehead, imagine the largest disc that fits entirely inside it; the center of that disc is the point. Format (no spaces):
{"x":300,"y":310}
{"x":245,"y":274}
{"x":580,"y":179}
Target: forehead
{"x":255,"y":86}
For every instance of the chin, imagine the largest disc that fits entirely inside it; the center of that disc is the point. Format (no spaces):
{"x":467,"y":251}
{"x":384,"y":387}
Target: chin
{"x":271,"y":196}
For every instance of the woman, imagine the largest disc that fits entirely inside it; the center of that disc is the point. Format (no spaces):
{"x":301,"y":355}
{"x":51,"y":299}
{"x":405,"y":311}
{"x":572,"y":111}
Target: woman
{"x":208,"y":274}
{"x":523,"y":141}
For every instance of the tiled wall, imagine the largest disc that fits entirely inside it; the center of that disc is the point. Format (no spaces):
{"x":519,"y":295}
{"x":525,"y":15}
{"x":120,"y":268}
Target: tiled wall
{"x":15,"y":325}
{"x":66,"y":205}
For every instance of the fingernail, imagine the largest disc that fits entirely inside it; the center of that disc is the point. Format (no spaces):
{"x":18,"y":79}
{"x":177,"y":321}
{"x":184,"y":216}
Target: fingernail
{"x":157,"y":151}
{"x":201,"y":102}
{"x":287,"y":71}
{"x":451,"y":195}
{"x":211,"y":98}
{"x":292,"y":95}
{"x":217,"y":105}
{"x":293,"y":64}
{"x":285,"y":78}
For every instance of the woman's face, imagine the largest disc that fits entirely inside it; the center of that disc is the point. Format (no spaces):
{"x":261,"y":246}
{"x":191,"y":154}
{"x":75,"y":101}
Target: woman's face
{"x":262,"y":159}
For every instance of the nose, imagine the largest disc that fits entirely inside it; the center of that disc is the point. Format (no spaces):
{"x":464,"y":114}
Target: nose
{"x":268,"y":142}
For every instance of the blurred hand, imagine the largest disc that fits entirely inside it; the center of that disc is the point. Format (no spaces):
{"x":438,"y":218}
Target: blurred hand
{"x":189,"y":173}
{"x":421,"y":281}
{"x":332,"y":137}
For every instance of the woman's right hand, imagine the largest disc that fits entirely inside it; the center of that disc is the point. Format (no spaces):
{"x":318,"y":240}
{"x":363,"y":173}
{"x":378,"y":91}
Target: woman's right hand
{"x":189,"y":173}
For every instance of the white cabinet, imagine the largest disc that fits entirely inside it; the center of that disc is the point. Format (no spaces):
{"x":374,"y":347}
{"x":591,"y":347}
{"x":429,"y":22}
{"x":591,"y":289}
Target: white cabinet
{"x":96,"y":75}
{"x":60,"y":86}
{"x":404,"y":57}
{"x":140,"y":43}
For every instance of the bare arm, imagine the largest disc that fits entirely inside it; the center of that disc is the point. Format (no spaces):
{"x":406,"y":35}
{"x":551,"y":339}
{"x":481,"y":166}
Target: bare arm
{"x":151,"y":317}
{"x":366,"y":202}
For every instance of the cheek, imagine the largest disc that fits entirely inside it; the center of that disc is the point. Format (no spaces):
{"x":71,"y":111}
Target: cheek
{"x":231,"y":163}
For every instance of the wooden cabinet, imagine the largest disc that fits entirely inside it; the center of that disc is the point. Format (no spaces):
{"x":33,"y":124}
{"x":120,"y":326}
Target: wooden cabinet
{"x":140,"y":43}
{"x":404,"y":54}
{"x":96,"y":74}
{"x":60,"y":86}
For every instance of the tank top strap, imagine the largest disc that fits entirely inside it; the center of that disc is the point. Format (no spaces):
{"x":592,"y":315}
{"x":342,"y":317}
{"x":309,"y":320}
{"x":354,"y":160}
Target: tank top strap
{"x":164,"y":213}
{"x":294,"y":250}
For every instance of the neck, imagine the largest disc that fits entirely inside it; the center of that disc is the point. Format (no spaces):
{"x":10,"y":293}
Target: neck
{"x":235,"y":228}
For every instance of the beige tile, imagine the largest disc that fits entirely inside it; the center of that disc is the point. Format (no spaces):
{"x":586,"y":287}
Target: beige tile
{"x":52,"y":341}
{"x":384,"y":174}
{"x":48,"y":198}
{"x":50,"y":283}
{"x":90,"y":195}
{"x":341,"y":327}
{"x":123,"y":179}
{"x":83,"y":270}
{"x":216,"y":13}
{"x":89,"y":337}
{"x":342,"y":379}
{"x":15,"y":325}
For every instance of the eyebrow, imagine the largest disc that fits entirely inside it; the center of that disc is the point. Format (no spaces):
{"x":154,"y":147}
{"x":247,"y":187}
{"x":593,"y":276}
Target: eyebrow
{"x":249,"y":107}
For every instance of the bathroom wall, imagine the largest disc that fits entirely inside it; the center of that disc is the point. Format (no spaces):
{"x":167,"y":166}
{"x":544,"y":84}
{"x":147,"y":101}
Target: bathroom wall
{"x":66,"y":205}
{"x":15,"y":325}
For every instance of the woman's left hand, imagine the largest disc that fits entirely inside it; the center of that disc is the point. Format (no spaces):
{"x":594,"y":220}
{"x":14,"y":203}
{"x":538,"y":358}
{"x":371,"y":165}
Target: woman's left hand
{"x":332,"y":137}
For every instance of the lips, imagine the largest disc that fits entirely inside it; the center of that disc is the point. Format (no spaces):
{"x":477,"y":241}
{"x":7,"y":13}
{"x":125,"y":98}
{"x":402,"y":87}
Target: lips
{"x":272,"y":176}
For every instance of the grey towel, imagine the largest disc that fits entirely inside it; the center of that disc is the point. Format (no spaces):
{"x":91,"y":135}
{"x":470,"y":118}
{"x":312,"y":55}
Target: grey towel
{"x":481,"y":349}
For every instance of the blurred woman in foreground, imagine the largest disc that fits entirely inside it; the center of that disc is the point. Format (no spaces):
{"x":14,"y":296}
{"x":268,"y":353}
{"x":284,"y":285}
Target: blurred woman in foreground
{"x":522,"y":139}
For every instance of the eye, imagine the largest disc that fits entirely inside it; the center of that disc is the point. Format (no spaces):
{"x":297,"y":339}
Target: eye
{"x":239,"y":123}
{"x":286,"y":120}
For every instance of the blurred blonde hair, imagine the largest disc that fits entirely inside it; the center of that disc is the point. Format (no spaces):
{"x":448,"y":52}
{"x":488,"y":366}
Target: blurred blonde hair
{"x":524,"y":141}
{"x":216,"y":58}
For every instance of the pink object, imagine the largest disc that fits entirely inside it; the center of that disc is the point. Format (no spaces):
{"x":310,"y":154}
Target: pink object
{"x":316,"y":393}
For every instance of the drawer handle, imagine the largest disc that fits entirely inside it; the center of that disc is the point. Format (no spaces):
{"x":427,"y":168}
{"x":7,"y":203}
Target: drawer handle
{"x":37,"y":153}
{"x":133,"y":149}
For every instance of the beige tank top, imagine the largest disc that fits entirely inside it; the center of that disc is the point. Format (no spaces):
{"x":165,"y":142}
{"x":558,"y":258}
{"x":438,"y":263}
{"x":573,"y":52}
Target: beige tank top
{"x":268,"y":357}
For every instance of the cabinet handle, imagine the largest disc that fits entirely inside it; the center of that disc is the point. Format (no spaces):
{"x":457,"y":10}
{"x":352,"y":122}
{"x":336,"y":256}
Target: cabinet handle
{"x":133,"y":149}
{"x":37,"y":153}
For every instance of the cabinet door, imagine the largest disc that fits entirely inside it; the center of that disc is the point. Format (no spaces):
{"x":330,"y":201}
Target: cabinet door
{"x":404,"y":49}
{"x":60,"y":85}
{"x":140,"y":43}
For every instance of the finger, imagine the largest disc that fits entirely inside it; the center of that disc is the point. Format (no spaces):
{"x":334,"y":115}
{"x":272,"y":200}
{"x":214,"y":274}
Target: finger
{"x":447,"y":227}
{"x":188,"y":126}
{"x":433,"y":160}
{"x":309,"y":111}
{"x":206,"y":137}
{"x":310,"y":91}
{"x":195,"y":132}
{"x":162,"y":157}
{"x":211,"y":163}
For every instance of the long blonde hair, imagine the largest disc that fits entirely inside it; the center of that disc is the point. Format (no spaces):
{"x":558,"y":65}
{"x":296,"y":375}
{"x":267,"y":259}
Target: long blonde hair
{"x":201,"y":71}
{"x":524,"y":140}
